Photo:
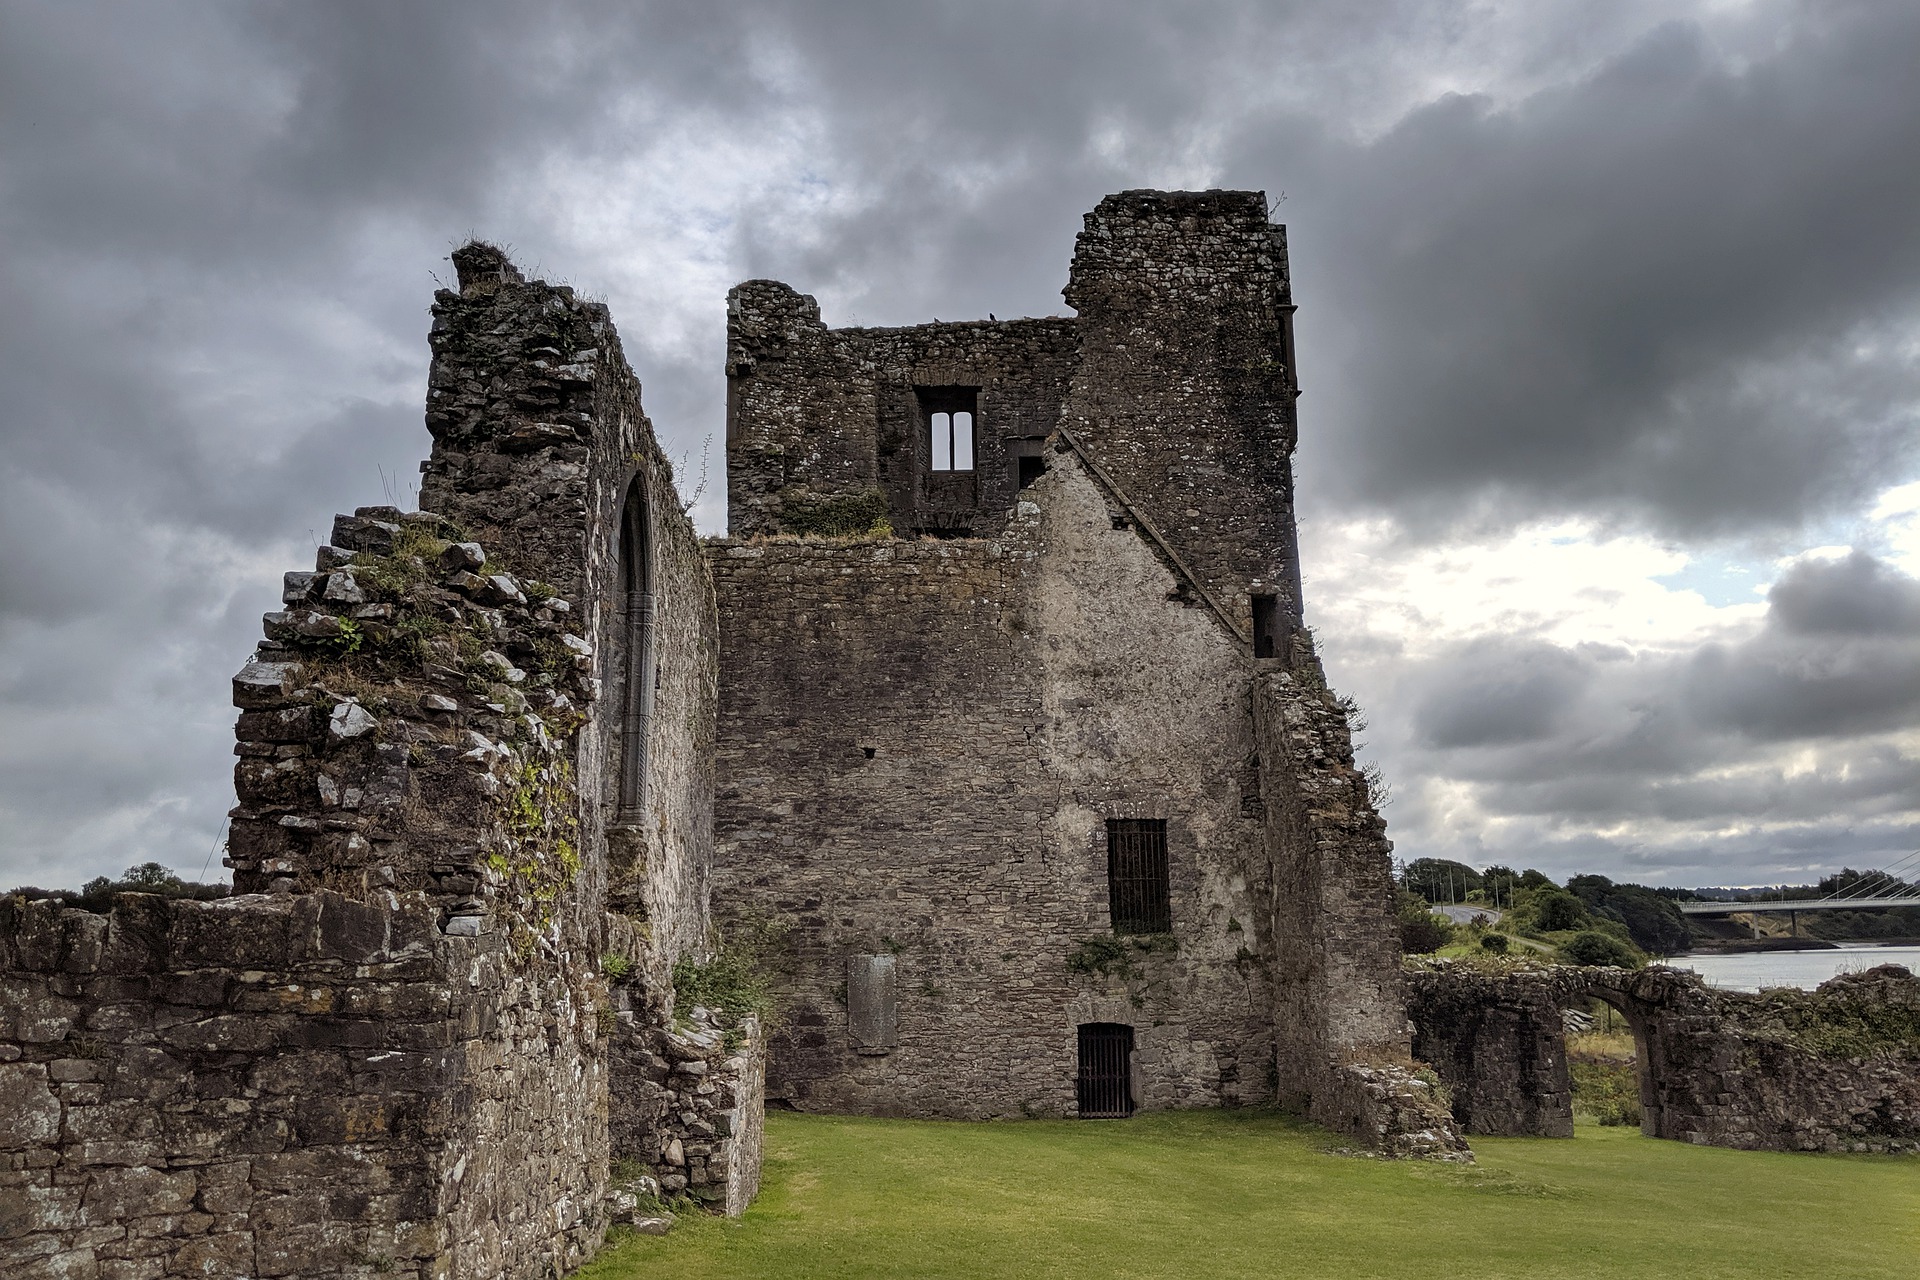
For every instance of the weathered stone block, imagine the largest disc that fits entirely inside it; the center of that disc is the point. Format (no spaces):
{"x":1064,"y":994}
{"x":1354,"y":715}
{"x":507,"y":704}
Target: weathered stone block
{"x":31,"y":1110}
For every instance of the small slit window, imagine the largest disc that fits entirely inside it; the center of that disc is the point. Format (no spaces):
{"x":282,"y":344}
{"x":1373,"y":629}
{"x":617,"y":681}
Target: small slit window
{"x":1138,"y":898}
{"x":1266,"y":625}
{"x":639,"y":674}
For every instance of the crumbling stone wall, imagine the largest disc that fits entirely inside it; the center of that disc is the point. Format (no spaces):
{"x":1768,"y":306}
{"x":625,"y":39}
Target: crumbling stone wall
{"x":819,"y":417}
{"x":404,"y":1015}
{"x":1837,"y":1069}
{"x":539,"y":439}
{"x":286,"y":1085}
{"x":695,"y":1105}
{"x":1345,"y":1056}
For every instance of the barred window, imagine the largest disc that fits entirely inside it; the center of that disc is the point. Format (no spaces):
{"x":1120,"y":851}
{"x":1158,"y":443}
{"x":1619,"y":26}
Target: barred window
{"x":1137,"y":875}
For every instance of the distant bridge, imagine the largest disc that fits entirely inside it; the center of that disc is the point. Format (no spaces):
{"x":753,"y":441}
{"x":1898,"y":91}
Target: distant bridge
{"x":1719,"y":908}
{"x":1794,"y":906}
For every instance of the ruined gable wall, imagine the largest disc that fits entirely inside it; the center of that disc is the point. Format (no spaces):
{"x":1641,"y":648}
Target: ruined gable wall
{"x":1184,"y":393}
{"x":818,"y":415}
{"x":1016,"y":693}
{"x":538,"y":435}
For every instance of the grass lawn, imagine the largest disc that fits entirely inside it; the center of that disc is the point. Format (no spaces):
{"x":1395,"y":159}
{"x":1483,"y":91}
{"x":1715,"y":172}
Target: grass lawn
{"x":1213,"y":1194}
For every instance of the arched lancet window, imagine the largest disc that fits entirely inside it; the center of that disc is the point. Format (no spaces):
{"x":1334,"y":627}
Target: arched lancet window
{"x":636,"y":651}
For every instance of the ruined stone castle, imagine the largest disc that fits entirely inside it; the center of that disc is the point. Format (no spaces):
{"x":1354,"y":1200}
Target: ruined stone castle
{"x":1032,"y":753}
{"x":993,"y":715}
{"x":994,"y":707}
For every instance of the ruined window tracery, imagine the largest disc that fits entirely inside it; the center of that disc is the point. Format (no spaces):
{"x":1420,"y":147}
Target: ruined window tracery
{"x":950,"y":416}
{"x":637,"y":675}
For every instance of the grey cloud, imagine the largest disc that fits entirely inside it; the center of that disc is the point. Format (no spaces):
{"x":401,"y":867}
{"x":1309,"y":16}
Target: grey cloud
{"x":1858,"y":595}
{"x":1500,"y":693}
{"x":1636,"y":278}
{"x":1791,"y":737}
{"x":1643,"y":294}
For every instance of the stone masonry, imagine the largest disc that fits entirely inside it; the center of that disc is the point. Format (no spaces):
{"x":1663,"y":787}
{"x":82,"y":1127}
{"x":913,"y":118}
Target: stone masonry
{"x":473,"y":838}
{"x":1837,"y":1069}
{"x":942,"y":683}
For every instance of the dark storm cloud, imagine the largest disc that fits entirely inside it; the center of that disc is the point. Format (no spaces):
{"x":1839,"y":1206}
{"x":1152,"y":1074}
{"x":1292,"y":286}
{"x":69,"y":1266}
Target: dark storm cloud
{"x":1857,"y":595}
{"x":1653,"y":293}
{"x":1658,"y":273}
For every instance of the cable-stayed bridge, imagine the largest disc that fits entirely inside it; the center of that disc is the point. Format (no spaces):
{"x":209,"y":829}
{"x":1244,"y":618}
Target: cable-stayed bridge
{"x":1875,"y":891}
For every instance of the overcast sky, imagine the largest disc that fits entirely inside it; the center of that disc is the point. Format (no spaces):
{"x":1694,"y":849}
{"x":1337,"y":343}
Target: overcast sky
{"x":1609,"y":327}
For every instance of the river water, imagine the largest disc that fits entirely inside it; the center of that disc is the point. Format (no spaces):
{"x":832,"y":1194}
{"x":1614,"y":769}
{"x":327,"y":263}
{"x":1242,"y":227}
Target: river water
{"x":1807,"y":969}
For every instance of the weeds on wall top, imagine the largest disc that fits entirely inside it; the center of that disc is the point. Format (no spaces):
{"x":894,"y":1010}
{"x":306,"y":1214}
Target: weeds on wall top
{"x":857,"y":515}
{"x":740,"y":976}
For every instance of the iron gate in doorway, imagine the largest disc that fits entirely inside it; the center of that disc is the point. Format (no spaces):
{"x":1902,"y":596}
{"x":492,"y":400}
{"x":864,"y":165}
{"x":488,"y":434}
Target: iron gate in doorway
{"x":1106,"y":1071}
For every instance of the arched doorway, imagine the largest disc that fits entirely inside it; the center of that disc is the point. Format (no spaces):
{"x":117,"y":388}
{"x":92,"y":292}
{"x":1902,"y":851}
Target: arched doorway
{"x":1610,"y":1063}
{"x":635,"y":652}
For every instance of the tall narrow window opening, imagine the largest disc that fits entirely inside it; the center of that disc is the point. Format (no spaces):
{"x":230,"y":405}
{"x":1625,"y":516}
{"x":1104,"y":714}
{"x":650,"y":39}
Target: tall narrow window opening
{"x":1137,"y":875}
{"x":1106,"y":1071}
{"x":1266,"y":625}
{"x":638,"y":675}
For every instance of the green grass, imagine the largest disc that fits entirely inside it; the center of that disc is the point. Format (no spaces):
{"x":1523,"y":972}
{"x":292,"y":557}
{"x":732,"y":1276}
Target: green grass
{"x":1227,"y":1194}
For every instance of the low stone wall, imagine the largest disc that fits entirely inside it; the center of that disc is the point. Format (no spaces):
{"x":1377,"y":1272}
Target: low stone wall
{"x":690,"y":1104}
{"x":1497,"y":1042}
{"x":285,"y":1085}
{"x":1837,"y":1069}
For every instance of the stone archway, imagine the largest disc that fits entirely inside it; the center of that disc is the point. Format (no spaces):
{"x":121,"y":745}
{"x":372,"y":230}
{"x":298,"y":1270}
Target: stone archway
{"x":1499,"y":1041}
{"x":1721,"y":1068}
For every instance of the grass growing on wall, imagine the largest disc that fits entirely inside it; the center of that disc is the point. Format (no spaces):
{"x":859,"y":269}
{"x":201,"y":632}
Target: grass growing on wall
{"x":1232,"y":1194}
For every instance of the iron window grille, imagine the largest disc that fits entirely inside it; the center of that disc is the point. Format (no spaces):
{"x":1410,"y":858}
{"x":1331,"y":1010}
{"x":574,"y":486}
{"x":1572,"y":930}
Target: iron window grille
{"x":1138,"y":898}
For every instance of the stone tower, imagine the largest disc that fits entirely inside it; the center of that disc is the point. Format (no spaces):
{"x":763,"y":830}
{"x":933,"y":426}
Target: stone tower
{"x":1020,"y":735}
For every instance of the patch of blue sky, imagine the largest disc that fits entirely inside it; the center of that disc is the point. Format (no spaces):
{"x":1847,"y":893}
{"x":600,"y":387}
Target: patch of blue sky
{"x":1720,"y":581}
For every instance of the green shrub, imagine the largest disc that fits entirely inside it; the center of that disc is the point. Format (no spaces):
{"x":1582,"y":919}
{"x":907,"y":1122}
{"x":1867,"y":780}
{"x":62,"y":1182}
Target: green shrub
{"x":1591,"y":946}
{"x":740,"y":976}
{"x":1110,"y":954}
{"x":1556,"y":909}
{"x":1421,"y":931}
{"x":97,"y":894}
{"x":1496,"y":943}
